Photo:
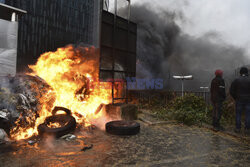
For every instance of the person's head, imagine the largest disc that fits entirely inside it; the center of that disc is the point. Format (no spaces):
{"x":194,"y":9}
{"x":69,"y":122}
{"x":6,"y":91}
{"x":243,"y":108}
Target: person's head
{"x":243,"y":71}
{"x":218,"y":73}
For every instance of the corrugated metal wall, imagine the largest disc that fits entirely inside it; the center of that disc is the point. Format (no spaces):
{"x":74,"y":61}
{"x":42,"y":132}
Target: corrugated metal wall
{"x":51,"y":24}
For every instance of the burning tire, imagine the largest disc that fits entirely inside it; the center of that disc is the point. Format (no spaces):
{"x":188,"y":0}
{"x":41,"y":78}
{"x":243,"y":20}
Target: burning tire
{"x":67,"y":123}
{"x":68,"y":112}
{"x":123,"y":127}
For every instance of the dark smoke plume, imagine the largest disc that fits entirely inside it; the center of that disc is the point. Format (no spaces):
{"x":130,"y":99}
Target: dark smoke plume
{"x":163,"y":50}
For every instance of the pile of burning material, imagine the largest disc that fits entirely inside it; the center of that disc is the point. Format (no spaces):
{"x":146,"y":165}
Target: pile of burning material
{"x":58,"y":125}
{"x":19,"y":101}
{"x":67,"y":78}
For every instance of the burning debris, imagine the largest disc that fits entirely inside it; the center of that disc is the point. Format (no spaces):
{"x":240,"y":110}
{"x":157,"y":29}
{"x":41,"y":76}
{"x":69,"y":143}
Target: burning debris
{"x":66,"y":78}
{"x":58,"y":125}
{"x":20,"y":103}
{"x":87,"y":147}
{"x":69,"y":137}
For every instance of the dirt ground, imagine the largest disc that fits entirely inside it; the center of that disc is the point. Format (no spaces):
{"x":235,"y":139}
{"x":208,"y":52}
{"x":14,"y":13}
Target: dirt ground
{"x":156,"y":145}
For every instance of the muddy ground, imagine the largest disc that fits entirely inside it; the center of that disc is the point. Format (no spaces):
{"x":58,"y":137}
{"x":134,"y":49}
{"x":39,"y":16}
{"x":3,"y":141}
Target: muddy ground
{"x":156,"y":145}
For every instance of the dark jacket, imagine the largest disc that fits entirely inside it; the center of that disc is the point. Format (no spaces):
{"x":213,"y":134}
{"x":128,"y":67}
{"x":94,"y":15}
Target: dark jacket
{"x":217,"y":90}
{"x":240,"y":89}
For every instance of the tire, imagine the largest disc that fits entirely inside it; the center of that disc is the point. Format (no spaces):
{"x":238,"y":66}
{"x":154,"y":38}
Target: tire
{"x":68,"y":112}
{"x":123,"y":127}
{"x":58,"y":132}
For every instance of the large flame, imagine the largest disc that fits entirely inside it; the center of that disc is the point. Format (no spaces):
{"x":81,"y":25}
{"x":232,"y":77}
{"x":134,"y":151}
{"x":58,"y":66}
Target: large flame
{"x":73,"y":75}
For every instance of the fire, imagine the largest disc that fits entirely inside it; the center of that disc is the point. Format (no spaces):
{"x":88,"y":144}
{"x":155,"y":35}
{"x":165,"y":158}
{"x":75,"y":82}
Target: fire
{"x":54,"y":125}
{"x":73,"y":75}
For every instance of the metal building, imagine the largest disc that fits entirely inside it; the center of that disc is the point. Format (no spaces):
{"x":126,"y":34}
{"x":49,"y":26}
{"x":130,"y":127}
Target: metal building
{"x":50,"y":24}
{"x":8,"y":39}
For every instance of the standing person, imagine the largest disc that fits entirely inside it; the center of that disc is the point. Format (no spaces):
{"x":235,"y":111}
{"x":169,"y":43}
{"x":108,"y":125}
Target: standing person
{"x":218,"y":95}
{"x":240,"y":91}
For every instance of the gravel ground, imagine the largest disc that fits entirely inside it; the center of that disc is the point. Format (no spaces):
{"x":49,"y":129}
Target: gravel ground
{"x":159,"y":145}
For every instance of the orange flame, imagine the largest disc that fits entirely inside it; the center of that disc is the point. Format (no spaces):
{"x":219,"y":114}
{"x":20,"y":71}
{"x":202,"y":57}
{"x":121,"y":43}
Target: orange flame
{"x":73,"y":75}
{"x":54,"y":125}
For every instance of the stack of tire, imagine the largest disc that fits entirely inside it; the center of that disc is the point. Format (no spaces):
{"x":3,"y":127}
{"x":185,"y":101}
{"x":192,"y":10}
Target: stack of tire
{"x":67,"y":120}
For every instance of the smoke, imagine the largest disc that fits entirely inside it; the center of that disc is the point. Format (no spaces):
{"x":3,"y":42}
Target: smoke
{"x":164,"y":50}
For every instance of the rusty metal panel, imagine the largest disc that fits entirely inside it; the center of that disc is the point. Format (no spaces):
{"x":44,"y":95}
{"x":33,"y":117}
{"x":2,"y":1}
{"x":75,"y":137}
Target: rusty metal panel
{"x":121,"y":39}
{"x":106,"y":38}
{"x":105,"y":75}
{"x":132,"y":42}
{"x":107,"y":18}
{"x":120,"y":60}
{"x":118,"y":47}
{"x":117,"y":53}
{"x":122,"y":23}
{"x":106,"y":61}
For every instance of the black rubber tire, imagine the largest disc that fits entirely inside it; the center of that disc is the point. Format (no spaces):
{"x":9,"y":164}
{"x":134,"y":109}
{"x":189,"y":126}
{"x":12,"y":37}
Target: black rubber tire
{"x":58,"y":132}
{"x":123,"y":127}
{"x":68,"y":112}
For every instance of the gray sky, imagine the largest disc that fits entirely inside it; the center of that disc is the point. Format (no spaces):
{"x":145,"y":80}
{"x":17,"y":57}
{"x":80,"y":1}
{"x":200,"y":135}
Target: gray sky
{"x":229,"y":18}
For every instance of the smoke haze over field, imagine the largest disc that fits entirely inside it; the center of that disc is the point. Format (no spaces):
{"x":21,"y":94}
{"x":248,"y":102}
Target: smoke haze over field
{"x":164,"y":49}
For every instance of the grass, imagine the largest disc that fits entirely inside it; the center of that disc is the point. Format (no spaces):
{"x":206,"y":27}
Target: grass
{"x":190,"y":110}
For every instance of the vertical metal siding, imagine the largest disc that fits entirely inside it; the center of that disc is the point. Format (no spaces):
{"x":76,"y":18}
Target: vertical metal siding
{"x":49,"y":25}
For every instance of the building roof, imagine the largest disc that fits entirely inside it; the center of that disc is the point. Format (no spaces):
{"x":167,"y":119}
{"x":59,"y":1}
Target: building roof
{"x":10,"y":9}
{"x":6,"y":11}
